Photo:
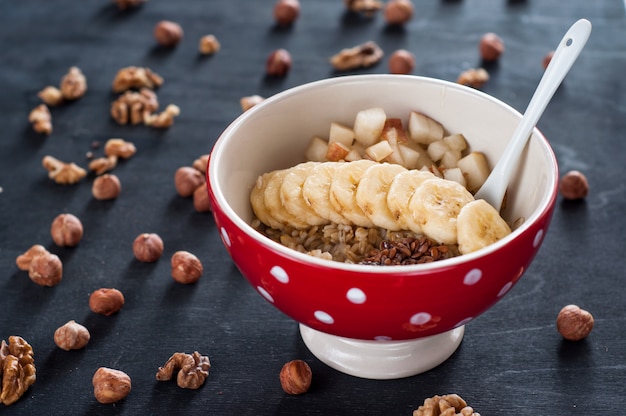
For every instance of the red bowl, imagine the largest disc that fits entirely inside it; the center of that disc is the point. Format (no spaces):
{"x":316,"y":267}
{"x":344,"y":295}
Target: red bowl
{"x":365,"y":302}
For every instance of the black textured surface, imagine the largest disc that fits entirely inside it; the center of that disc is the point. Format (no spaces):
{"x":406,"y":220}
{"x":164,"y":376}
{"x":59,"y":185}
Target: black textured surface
{"x":512,"y":361}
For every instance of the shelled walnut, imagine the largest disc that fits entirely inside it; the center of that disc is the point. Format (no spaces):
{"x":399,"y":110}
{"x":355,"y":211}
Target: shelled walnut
{"x":51,"y":96}
{"x":41,"y":119}
{"x":164,"y":119}
{"x":134,"y":107}
{"x":191,"y":369}
{"x":44,"y":268}
{"x":365,"y":7}
{"x":61,"y":172}
{"x":17,"y":368}
{"x":447,"y":405}
{"x":360,"y":56}
{"x":474,"y":78}
{"x":120,"y":148}
{"x":133,"y":77}
{"x":73,"y":84}
{"x":208,"y":45}
{"x":103,"y":164}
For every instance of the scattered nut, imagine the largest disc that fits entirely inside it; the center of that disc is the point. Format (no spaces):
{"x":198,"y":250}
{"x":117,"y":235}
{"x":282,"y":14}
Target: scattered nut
{"x":574,"y":185}
{"x":398,"y":12}
{"x":448,"y":405}
{"x":51,"y":96}
{"x":574,"y":323}
{"x":73,"y":84}
{"x":401,"y":62}
{"x":103,"y":164}
{"x":186,"y":267}
{"x":474,"y":78}
{"x":250,"y":101}
{"x":44,"y":268}
{"x":547,"y":58}
{"x":71,"y":336}
{"x":164,"y":119}
{"x":192,"y":370}
{"x":187,"y":179}
{"x":66,"y":230}
{"x":109,"y":385}
{"x":148,"y":247}
{"x":491,"y":46}
{"x":286,"y":12}
{"x":278,"y":63}
{"x":366,"y":7}
{"x":106,"y":186}
{"x":133,"y":77}
{"x":360,"y":56}
{"x":17,"y":367}
{"x":201,"y":163}
{"x":126,"y":4}
{"x":41,"y":119}
{"x":134,"y":107}
{"x":201,"y":201}
{"x":106,"y":301}
{"x":120,"y":148}
{"x":208,"y":45}
{"x":61,"y":172}
{"x":295,"y":377}
{"x":168,"y":33}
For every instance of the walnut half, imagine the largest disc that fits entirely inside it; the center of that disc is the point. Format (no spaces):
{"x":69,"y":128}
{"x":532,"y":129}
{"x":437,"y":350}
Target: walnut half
{"x":447,"y":405}
{"x":192,"y":369}
{"x":360,"y":56}
{"x":17,"y":367}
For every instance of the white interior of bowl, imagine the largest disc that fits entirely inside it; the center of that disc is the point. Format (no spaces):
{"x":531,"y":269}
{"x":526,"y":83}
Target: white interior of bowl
{"x":274,"y":135}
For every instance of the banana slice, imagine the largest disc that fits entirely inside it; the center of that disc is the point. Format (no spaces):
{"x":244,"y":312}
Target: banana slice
{"x":478,"y":225}
{"x":316,"y":191}
{"x":371,"y":194}
{"x":399,"y":194}
{"x":343,"y":192}
{"x":435,"y":205}
{"x":274,"y":205}
{"x":291,"y":195}
{"x":257,"y":200}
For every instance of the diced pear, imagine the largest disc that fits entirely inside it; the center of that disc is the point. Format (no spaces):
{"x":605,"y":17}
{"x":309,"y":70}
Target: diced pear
{"x":450,"y":159}
{"x":379,"y":151}
{"x":437,"y":149}
{"x":423,"y":129}
{"x":368,"y":125}
{"x":456,"y":142}
{"x":414,"y":156}
{"x":340,"y":134}
{"x":353,"y":155}
{"x":393,"y":129}
{"x":396,"y":155}
{"x":337,"y":151}
{"x":317,"y":149}
{"x":455,"y":174}
{"x":475,"y":168}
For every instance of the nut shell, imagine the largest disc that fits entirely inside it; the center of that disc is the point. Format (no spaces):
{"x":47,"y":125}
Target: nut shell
{"x":574,"y":323}
{"x":296,"y":377}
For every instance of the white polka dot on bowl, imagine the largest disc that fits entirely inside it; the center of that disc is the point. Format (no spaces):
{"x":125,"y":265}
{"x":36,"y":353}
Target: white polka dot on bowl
{"x":324,"y":317}
{"x":265,"y":294}
{"x":472,"y":277}
{"x":356,"y":296}
{"x":225,"y":237}
{"x":280,"y":274}
{"x":538,"y":238}
{"x":420,"y":318}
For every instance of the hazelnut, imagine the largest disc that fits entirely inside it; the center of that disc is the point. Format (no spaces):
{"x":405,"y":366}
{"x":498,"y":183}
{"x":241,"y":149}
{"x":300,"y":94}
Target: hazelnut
{"x":491,"y":47}
{"x":23,"y":260}
{"x":208,"y":45}
{"x":186,"y":267}
{"x":547,"y":58}
{"x":168,"y":33}
{"x":295,"y":377}
{"x":106,"y":186}
{"x":66,"y":230}
{"x":106,"y":301}
{"x":46,"y":269}
{"x":187,"y":179}
{"x":574,"y":185}
{"x":201,"y":163}
{"x":109,"y":385}
{"x":148,"y":247}
{"x":401,"y":62}
{"x":278,"y":63}
{"x":574,"y":323}
{"x":398,"y":12}
{"x":201,"y":201}
{"x":286,"y":12}
{"x":71,"y":336}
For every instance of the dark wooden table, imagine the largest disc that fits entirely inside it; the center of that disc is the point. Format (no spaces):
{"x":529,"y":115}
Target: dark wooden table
{"x":512,"y":360}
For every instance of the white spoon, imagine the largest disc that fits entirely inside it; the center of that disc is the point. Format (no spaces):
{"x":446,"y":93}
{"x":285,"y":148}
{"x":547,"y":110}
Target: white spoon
{"x":568,"y":50}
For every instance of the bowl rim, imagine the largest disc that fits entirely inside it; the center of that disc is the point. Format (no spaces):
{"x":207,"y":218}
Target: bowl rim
{"x":544,"y":205}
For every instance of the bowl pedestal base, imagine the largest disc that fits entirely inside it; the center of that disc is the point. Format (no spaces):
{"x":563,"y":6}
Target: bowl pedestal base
{"x":382,"y":359}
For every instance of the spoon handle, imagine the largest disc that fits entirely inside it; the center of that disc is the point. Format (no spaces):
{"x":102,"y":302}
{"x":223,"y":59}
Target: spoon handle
{"x":564,"y":57}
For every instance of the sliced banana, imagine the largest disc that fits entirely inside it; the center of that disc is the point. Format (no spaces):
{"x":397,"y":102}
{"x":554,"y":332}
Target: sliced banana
{"x":435,"y":205}
{"x":343,"y":192}
{"x":478,"y":225}
{"x":257,"y":200}
{"x":371,"y":194}
{"x":291,"y":194}
{"x":399,"y":194}
{"x":274,"y":205}
{"x":316,"y":191}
